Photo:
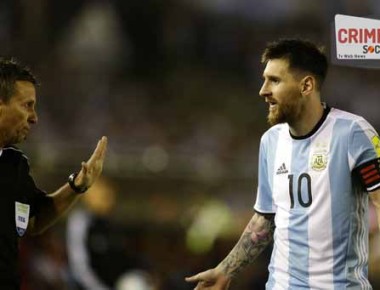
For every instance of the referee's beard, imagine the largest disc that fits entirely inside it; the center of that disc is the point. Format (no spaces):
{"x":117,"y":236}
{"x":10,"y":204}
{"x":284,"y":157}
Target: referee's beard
{"x":17,"y":138}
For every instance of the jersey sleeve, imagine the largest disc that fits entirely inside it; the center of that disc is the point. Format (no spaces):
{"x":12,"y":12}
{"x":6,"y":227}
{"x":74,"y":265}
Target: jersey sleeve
{"x":264,"y":198}
{"x":29,"y":191}
{"x":364,"y":151}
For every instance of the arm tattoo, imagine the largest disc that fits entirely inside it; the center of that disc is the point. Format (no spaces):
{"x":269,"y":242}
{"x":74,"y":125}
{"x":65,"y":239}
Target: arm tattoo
{"x":257,"y":235}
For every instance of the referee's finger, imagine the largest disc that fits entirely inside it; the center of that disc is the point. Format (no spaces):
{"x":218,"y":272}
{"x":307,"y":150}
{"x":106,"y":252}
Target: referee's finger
{"x":84,"y":167}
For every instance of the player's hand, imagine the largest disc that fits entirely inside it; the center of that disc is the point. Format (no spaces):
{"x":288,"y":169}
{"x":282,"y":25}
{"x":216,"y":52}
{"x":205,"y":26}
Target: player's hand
{"x":91,"y":169}
{"x":212,"y":279}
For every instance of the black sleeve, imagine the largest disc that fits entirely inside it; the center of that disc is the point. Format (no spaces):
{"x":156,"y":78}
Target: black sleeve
{"x":28,"y":189}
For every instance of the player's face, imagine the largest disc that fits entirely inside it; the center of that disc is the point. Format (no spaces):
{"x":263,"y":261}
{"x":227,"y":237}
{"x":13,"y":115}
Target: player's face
{"x":18,"y":114}
{"x":281,"y":90}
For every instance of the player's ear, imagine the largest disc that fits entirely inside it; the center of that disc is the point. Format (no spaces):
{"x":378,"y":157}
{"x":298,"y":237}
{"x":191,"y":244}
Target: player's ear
{"x":307,"y":85}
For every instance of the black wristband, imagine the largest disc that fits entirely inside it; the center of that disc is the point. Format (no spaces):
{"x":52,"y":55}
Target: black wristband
{"x":71,"y":181}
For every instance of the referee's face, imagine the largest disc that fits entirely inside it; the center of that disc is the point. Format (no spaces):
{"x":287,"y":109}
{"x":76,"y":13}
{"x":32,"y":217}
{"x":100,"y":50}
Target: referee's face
{"x":18,"y":114}
{"x":281,"y":91}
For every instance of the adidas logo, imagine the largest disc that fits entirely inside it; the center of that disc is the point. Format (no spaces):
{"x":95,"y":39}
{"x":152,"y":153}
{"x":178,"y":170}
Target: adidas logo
{"x":282,"y":169}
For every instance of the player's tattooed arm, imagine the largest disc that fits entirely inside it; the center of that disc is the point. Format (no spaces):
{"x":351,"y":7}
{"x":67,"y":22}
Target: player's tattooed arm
{"x":256,"y":236}
{"x":375,"y":197}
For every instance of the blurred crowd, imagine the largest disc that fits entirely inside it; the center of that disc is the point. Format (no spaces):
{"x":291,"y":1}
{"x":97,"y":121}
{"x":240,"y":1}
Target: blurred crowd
{"x":174,"y":85}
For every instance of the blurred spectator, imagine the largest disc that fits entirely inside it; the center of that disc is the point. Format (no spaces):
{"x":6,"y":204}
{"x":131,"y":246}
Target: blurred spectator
{"x":96,"y":246}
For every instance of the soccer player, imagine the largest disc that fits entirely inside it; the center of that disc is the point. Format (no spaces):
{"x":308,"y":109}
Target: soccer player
{"x":317,"y":167}
{"x":22,"y":205}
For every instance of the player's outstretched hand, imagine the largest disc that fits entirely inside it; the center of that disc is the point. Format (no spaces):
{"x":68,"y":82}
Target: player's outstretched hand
{"x":91,"y":169}
{"x":212,"y":279}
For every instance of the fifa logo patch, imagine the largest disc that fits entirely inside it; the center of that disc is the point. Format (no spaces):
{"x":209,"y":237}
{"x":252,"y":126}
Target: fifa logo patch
{"x":22,"y":217}
{"x":319,"y":160}
{"x":376,"y":144}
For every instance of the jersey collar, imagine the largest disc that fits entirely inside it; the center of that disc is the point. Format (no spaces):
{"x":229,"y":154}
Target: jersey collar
{"x":326,"y":110}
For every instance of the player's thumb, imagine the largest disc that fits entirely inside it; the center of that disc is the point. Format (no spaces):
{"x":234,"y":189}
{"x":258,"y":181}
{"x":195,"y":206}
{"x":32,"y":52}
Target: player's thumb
{"x":195,"y":278}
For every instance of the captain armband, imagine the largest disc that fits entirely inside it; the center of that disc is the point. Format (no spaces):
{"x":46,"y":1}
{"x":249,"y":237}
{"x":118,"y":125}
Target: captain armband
{"x":369,"y":174}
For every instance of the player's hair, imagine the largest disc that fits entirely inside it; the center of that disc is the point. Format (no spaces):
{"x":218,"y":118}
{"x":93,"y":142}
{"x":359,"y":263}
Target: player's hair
{"x":11,"y":70}
{"x":302,"y":55}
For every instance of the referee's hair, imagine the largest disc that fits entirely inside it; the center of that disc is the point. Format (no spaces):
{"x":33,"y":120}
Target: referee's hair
{"x":301,"y":54}
{"x":11,"y":70}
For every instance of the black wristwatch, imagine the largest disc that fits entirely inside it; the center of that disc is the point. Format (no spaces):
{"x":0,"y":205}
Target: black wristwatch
{"x":71,"y":181}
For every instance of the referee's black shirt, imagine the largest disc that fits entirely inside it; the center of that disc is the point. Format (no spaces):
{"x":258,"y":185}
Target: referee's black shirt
{"x":16,"y":187}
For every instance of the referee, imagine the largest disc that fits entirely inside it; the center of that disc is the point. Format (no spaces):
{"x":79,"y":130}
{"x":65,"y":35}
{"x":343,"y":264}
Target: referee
{"x":23,"y":206}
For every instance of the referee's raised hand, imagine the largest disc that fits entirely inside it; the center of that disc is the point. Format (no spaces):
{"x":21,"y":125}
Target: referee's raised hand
{"x":91,"y":169}
{"x":212,"y":279}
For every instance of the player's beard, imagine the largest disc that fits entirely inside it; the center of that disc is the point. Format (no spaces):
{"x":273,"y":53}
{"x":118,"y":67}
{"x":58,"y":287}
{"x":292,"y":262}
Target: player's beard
{"x":286,"y":112}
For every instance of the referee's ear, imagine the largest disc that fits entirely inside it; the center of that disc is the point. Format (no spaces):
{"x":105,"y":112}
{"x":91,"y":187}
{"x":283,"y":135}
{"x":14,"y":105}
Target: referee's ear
{"x":308,"y":85}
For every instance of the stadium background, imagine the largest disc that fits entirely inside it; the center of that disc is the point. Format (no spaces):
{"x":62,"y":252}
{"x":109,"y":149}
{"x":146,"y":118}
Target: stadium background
{"x":174,"y":85}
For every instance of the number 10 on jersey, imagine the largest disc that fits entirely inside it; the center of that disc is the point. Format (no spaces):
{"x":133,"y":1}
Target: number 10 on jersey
{"x":303,"y":199}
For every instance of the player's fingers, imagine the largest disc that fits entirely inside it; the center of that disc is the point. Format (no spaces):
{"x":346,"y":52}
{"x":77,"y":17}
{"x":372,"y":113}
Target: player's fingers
{"x":192,"y":279}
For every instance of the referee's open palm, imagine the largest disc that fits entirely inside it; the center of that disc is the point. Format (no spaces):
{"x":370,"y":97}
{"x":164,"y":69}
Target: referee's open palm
{"x":210,"y":280}
{"x":91,"y":169}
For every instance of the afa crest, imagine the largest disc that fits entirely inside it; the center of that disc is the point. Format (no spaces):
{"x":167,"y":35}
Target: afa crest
{"x":319,"y":160}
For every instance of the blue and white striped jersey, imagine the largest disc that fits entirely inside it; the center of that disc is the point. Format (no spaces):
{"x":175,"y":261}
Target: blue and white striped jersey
{"x":320,"y":205}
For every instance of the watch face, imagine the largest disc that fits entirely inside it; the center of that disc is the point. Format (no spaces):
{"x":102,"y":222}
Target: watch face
{"x":71,"y":180}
